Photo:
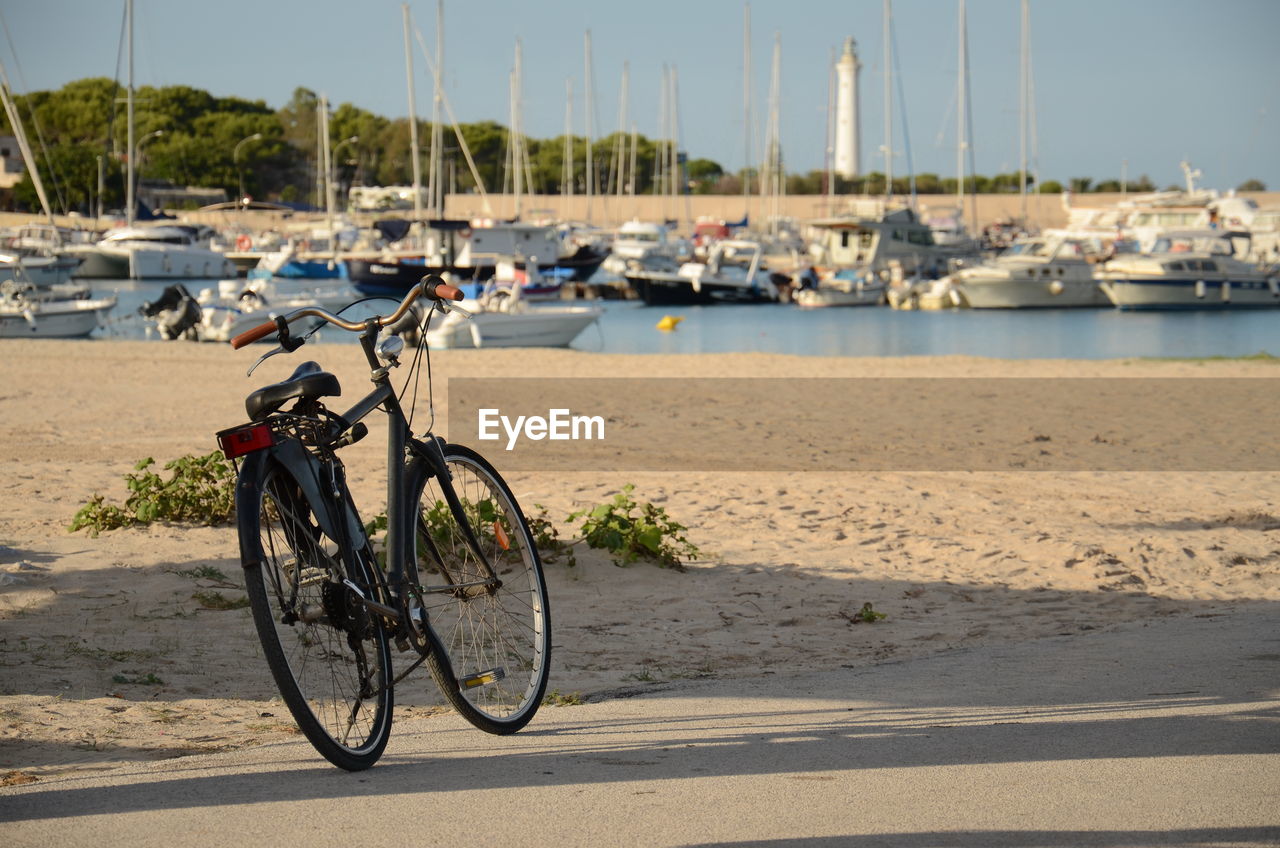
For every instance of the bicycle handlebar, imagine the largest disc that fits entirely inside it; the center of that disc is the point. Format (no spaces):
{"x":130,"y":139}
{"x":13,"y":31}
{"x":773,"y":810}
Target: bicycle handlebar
{"x":432,"y":287}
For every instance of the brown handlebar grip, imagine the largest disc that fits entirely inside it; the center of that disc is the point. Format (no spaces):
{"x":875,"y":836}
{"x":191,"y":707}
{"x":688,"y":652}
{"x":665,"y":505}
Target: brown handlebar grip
{"x":444,"y":291}
{"x":251,"y":336}
{"x":435,"y":287}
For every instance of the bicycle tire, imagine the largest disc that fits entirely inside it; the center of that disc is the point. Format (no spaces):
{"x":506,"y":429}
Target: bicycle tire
{"x":496,"y":644}
{"x":329,"y":656}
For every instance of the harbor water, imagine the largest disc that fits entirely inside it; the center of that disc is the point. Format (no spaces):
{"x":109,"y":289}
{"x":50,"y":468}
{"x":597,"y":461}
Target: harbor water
{"x":631,"y":327}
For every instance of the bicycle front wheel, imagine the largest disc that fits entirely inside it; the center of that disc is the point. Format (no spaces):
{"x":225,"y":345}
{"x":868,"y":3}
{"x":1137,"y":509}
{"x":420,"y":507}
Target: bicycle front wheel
{"x":493,"y":629}
{"x":328,"y":654}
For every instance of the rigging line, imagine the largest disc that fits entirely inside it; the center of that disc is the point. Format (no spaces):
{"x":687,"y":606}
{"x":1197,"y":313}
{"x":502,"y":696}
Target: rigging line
{"x":457,"y":132}
{"x":968,"y":121}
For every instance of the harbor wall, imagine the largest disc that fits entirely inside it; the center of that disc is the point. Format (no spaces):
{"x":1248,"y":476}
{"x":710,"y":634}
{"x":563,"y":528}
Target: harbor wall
{"x":1043,"y":211}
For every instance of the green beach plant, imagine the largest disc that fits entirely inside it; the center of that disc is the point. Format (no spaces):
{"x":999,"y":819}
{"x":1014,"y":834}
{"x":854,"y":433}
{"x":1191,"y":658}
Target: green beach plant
{"x":632,"y":531}
{"x":199,"y":490}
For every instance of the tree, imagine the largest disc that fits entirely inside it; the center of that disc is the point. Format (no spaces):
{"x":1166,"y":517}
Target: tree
{"x":1252,"y":185}
{"x":704,"y":174}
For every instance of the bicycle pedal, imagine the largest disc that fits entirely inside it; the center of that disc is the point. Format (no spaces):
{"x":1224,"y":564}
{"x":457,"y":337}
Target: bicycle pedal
{"x":481,"y":678}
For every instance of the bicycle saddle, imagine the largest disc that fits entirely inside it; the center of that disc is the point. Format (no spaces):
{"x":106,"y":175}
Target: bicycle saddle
{"x":308,"y":381}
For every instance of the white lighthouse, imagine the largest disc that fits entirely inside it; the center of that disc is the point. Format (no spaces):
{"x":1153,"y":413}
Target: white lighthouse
{"x":848,"y":142}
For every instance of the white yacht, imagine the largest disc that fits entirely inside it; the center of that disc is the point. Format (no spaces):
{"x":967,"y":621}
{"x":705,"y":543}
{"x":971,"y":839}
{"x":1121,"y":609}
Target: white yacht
{"x":872,"y":237}
{"x":501,"y":317}
{"x":637,"y":240}
{"x":37,"y":269}
{"x":733,"y":273}
{"x":30,"y":313}
{"x":1194,"y":269}
{"x":163,"y":252}
{"x":1033,"y":272}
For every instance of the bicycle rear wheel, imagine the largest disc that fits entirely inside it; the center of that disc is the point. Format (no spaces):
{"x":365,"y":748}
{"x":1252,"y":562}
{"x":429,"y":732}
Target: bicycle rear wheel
{"x":496,"y":635}
{"x":329,"y":656}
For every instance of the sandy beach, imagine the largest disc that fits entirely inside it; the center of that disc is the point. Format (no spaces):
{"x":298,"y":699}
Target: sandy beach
{"x":110,"y":657}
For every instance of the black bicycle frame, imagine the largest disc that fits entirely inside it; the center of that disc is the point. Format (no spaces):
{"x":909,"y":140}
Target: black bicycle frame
{"x":326,"y":492}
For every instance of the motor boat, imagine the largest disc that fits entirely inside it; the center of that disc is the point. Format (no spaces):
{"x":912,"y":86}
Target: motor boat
{"x":1193,"y":269}
{"x":502,"y":317}
{"x":164,"y":252}
{"x":1034,"y":272}
{"x":732,"y":273}
{"x":32,"y":313}
{"x":221,"y":315}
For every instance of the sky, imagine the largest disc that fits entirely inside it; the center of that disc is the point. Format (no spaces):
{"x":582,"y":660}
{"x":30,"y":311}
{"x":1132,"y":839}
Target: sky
{"x":1121,"y":87}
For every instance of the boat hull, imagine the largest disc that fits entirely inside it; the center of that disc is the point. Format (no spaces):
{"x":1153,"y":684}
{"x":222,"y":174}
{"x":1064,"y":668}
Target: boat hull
{"x":1027,"y":294}
{"x":40,"y":270}
{"x":532,"y":328}
{"x":373,"y":276}
{"x":99,"y":265}
{"x":667,"y":290}
{"x":1133,"y":294}
{"x":141,"y":263}
{"x":54,"y":320}
{"x":830,"y":296}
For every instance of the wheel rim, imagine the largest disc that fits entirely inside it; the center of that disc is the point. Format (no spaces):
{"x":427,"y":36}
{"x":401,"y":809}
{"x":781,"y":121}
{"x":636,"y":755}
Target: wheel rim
{"x":495,"y":636}
{"x":325,"y":636}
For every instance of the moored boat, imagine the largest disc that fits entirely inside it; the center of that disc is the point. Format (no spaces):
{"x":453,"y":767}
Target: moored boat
{"x":732,"y":273}
{"x":501,"y":317}
{"x":1190,"y":270}
{"x":28,"y":312}
{"x":1041,"y":272}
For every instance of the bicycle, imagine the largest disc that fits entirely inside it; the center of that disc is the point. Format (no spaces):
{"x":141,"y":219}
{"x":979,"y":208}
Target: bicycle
{"x":461,"y":586}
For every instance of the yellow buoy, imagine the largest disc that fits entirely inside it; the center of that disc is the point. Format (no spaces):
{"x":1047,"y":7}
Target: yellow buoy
{"x":669,"y":322}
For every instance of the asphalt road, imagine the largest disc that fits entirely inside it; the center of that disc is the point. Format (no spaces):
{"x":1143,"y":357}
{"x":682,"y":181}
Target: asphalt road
{"x":1163,"y":734}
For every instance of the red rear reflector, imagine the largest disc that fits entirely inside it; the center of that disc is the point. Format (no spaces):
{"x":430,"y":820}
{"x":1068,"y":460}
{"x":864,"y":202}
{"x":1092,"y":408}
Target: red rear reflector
{"x":242,"y":440}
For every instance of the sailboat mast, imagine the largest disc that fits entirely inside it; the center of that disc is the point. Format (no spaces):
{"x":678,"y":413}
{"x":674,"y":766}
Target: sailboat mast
{"x":413,"y":120}
{"x":130,"y":191}
{"x":771,"y":186}
{"x":746,"y":104}
{"x":437,"y":119}
{"x":961,"y":129}
{"x":681,"y":182}
{"x":620,"y":144}
{"x":15,"y":121}
{"x":888,"y":103}
{"x":631,"y":184}
{"x":1024,"y":102}
{"x":589,"y":96}
{"x":567,"y":175}
{"x":829,"y":135}
{"x":327,"y":165}
{"x":517,"y":141}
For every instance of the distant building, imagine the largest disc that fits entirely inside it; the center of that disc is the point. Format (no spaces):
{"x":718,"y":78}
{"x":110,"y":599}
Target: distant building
{"x":162,"y":194}
{"x":848,"y":150}
{"x":12,"y":168}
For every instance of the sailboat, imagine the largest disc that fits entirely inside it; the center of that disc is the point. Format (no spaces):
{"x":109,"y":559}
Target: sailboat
{"x":35,"y":299}
{"x":171,"y":252}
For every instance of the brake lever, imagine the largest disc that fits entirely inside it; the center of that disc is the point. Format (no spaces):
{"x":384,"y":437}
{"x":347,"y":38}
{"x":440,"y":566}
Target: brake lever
{"x":288,"y":344}
{"x":262,"y":359}
{"x":447,"y":307}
